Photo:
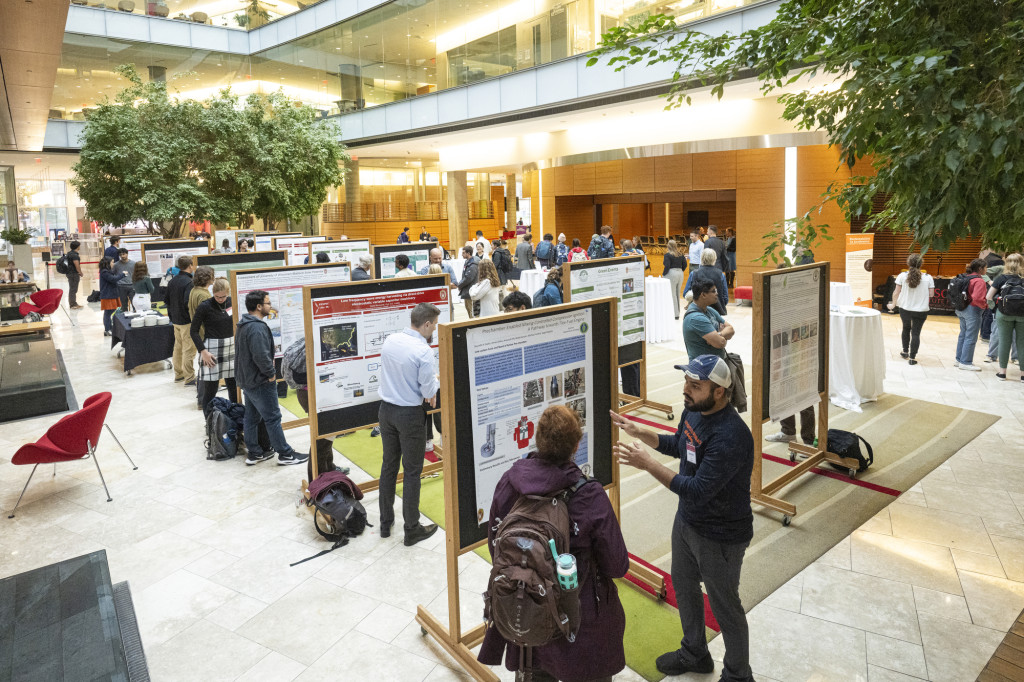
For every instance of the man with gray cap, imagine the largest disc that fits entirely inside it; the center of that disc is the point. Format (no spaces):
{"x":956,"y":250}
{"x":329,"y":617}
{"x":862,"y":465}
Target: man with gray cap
{"x":714,"y":524}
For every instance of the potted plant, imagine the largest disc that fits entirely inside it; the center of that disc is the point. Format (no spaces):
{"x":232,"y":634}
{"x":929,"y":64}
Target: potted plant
{"x":20,"y":251}
{"x":791,"y":241}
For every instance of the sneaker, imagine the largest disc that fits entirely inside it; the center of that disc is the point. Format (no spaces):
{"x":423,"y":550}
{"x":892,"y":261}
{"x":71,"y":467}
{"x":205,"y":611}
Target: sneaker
{"x":190,"y":382}
{"x":419,"y":533}
{"x":375,"y":431}
{"x":970,"y":368}
{"x":990,"y":358}
{"x":177,"y":379}
{"x":106,"y":333}
{"x":911,"y":361}
{"x":430,"y":446}
{"x":779,"y":437}
{"x":904,"y":355}
{"x":256,"y":459}
{"x":1001,"y":376}
{"x":672,"y":663}
{"x":292,"y":458}
{"x":956,"y":364}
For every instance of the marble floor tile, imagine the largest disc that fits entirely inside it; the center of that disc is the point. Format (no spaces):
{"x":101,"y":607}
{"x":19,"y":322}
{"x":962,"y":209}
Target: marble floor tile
{"x":210,"y":563}
{"x":989,"y":503}
{"x":1009,"y":530}
{"x":153,"y":559}
{"x":273,"y":668}
{"x":943,"y":604}
{"x":441,"y":673}
{"x":247,"y":530}
{"x":939,"y":527}
{"x":978,"y":563}
{"x":174,"y":604}
{"x":341,"y":569}
{"x":884,"y":607}
{"x":236,"y":612}
{"x":788,"y":598}
{"x":204,"y":651}
{"x":360,"y":657}
{"x":908,"y":561}
{"x":896,"y":655}
{"x":413,"y":574}
{"x":879,"y":674}
{"x":267,"y":574}
{"x":993,"y":602}
{"x":879,"y":523}
{"x":956,"y":651}
{"x":1011,"y":556}
{"x":385,"y":622}
{"x":838,"y":556}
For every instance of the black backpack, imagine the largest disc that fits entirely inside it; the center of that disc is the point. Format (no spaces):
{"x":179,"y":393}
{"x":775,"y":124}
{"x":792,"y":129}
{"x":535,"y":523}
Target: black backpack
{"x":1010,"y":298}
{"x":62,"y":265}
{"x":339,"y":515}
{"x":221,"y":436}
{"x":957,"y":294}
{"x":94,"y":297}
{"x":847,"y":444}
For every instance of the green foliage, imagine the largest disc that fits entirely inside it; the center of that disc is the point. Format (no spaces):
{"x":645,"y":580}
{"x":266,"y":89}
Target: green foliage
{"x":789,"y":240}
{"x":15,"y":236}
{"x":168,"y":161}
{"x":932,"y":90}
{"x":252,"y":10}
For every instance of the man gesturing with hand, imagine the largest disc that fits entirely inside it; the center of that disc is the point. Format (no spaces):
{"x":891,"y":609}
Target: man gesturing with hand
{"x":714,"y":524}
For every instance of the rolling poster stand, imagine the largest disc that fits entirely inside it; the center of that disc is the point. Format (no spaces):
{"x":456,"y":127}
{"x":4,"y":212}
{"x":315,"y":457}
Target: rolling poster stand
{"x":796,"y":330}
{"x":225,"y":263}
{"x":467,"y":503}
{"x":344,"y":403}
{"x":384,"y":257}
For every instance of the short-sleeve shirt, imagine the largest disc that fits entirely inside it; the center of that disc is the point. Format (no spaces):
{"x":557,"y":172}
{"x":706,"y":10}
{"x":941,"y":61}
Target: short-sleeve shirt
{"x":696,"y":325}
{"x":914,"y":299}
{"x":73,"y":256}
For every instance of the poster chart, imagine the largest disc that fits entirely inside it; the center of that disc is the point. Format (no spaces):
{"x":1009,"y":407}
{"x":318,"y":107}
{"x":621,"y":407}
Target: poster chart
{"x":860,"y":250}
{"x":284,"y":285}
{"x":160,"y":256}
{"x":384,"y":257}
{"x":225,"y":263}
{"x":348,"y":250}
{"x":298,"y":248}
{"x":794,"y":326}
{"x":347,"y":327}
{"x":264,"y":241}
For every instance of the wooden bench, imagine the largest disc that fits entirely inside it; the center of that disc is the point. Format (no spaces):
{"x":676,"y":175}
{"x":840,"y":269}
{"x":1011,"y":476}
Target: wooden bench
{"x":1007,"y":663}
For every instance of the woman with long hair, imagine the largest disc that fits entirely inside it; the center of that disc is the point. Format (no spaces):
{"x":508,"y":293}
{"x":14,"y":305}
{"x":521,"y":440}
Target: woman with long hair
{"x":487,"y":290}
{"x":912,"y":294}
{"x":109,"y":298}
{"x":141,"y":280}
{"x":577,"y":252}
{"x":675,"y":271}
{"x":213,"y":333}
{"x":1008,"y":326}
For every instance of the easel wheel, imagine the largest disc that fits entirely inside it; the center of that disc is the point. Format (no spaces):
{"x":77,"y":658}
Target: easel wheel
{"x":853,"y":473}
{"x":670,"y":415}
{"x":792,"y":457}
{"x":786,"y":520}
{"x":423,"y":631}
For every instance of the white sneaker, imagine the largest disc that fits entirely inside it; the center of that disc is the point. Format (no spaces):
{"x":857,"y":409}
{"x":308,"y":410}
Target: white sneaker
{"x":970,"y":368}
{"x":956,"y":364}
{"x":430,"y":446}
{"x":780,"y":437}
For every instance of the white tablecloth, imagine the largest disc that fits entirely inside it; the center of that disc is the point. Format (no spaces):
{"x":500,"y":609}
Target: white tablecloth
{"x":661,"y":323}
{"x":841,"y":294}
{"x":531,"y":280}
{"x":856,"y":367}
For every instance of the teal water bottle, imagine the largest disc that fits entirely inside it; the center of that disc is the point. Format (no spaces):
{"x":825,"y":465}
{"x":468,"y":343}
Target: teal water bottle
{"x":566,"y":564}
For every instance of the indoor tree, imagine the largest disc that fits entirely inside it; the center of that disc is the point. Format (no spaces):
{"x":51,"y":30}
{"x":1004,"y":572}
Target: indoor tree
{"x":932,"y":91}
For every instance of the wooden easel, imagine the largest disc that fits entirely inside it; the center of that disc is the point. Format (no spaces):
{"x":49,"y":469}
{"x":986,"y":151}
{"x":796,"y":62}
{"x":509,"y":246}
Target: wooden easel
{"x":764,"y":493}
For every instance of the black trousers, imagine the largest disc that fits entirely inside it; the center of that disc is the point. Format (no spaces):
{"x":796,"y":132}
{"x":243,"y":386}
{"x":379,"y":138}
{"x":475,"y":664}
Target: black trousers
{"x":405,"y":441}
{"x":324,"y":446}
{"x":433,"y":420}
{"x":73,"y":280}
{"x":808,"y":427}
{"x":208,"y":391}
{"x":911,"y":336}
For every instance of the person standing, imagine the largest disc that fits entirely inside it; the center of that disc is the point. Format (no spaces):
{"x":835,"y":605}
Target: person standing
{"x":709,"y":270}
{"x":213,"y":334}
{"x":912,"y":294}
{"x":714,"y":523}
{"x":74,"y":260}
{"x":502,"y":260}
{"x":141,"y":281}
{"x":408,"y":379}
{"x":577,"y":252}
{"x":487,"y":289}
{"x":717,"y":245}
{"x":970,"y":317}
{"x":256,"y":376}
{"x":696,"y":248}
{"x":469,"y":277}
{"x":730,"y":254}
{"x":402,"y":268}
{"x":561,"y":250}
{"x":482,"y":240}
{"x":675,"y":271}
{"x":123,"y":267}
{"x":112,"y":251}
{"x":403,"y":238}
{"x":436,"y":257}
{"x":178,"y":292}
{"x":705,"y":332}
{"x":545,"y":251}
{"x":109,"y":298}
{"x":1009,"y":324}
{"x":524,"y":253}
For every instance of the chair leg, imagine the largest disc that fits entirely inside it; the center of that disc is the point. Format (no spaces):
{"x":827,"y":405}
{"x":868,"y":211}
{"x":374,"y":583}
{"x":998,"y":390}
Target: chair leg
{"x":55,"y":470}
{"x":69,"y":316}
{"x":92,"y":451}
{"x":23,"y":491}
{"x":134,"y":467}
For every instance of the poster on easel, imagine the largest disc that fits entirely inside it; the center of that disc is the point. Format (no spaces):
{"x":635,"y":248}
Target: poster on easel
{"x":860,"y":250}
{"x":264,"y":241}
{"x":349,"y":250}
{"x":622,"y":278}
{"x":134,"y":245}
{"x":298,"y":249}
{"x":160,"y":256}
{"x":225,"y":263}
{"x":384,"y":257}
{"x":795,"y":324}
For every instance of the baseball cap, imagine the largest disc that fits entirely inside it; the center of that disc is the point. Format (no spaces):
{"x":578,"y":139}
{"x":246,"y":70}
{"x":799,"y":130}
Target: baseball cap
{"x":708,"y":368}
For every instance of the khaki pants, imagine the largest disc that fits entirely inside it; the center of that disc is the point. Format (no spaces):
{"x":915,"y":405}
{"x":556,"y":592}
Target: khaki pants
{"x":184,"y":358}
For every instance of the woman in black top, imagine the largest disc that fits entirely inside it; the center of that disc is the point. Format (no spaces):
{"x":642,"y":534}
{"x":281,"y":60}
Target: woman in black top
{"x":217,"y":349}
{"x":675,"y":270}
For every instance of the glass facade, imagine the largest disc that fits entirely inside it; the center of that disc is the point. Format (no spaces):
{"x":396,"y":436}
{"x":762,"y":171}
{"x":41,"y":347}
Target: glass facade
{"x":229,"y":13}
{"x":400,"y":50}
{"x":42,"y":207}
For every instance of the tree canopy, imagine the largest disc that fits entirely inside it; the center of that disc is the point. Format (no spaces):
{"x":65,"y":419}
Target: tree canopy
{"x":932,"y":91}
{"x":163,"y":160}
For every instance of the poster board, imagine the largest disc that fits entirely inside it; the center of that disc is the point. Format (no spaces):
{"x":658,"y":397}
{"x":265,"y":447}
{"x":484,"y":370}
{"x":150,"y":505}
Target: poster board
{"x":264,"y":241}
{"x":284,"y":284}
{"x":297,"y":248}
{"x":134,"y":245}
{"x":232,"y":236}
{"x":384,"y":257}
{"x":224,"y":263}
{"x":344,"y":250}
{"x":619,"y":277}
{"x":860,"y":250}
{"x":159,"y":256}
{"x":346,"y":326}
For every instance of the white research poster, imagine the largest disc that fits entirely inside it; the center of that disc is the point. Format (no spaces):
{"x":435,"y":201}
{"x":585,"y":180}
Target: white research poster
{"x":158,"y":260}
{"x":297,"y":247}
{"x":624,"y":281}
{"x":517,"y":370}
{"x":348,"y":250}
{"x":286,"y":320}
{"x":793,"y":321}
{"x":419,"y":258}
{"x":350,"y":332}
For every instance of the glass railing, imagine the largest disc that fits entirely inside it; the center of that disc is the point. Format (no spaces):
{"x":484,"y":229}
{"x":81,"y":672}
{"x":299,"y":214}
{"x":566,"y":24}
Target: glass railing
{"x":238,"y":15}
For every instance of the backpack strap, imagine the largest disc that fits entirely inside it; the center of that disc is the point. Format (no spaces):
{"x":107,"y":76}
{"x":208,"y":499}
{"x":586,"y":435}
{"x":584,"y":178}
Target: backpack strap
{"x":871,"y":453}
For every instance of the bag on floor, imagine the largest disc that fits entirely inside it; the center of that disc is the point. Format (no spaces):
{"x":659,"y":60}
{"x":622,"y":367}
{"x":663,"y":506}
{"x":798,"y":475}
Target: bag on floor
{"x":221,"y":436}
{"x":847,"y":444}
{"x":1010,"y":299}
{"x":339,"y":515}
{"x":94,"y":297}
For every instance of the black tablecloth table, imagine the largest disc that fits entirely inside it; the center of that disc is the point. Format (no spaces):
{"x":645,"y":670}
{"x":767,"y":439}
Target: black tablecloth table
{"x":142,"y":344}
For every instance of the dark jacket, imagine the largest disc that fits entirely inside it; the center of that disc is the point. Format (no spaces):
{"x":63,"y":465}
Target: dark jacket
{"x":214,"y":321}
{"x":718,"y":246}
{"x":403,"y":238}
{"x":600,"y":556}
{"x":177,"y":298}
{"x":254,"y":352}
{"x":715,"y":274}
{"x":108,"y":284}
{"x":358,"y":274}
{"x":469,"y":277}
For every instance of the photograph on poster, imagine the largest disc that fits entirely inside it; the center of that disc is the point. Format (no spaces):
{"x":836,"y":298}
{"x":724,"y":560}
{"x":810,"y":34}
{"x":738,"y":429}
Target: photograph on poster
{"x":513,"y":370}
{"x":418,"y":259}
{"x":339,"y":341}
{"x":793,"y":324}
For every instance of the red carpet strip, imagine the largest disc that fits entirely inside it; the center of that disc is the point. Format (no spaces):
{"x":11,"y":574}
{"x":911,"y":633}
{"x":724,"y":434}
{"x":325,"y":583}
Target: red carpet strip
{"x":670,"y":592}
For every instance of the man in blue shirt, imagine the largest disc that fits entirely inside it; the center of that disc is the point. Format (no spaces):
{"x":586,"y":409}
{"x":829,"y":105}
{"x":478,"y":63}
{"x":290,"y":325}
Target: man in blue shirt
{"x":714,"y":524}
{"x":437,"y":258}
{"x":111,"y":251}
{"x":705,"y":331}
{"x":696,"y":250}
{"x":408,"y":379}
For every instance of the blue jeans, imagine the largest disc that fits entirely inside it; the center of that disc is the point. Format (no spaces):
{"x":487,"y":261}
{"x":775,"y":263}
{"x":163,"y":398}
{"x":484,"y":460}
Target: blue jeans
{"x":689,"y":278}
{"x":261,"y":405}
{"x":970,"y":322}
{"x":108,"y":320}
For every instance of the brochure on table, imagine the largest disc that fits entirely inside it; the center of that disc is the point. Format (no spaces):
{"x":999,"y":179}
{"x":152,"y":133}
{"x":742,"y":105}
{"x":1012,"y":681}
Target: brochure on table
{"x":298,"y":248}
{"x":284,"y":285}
{"x":516,"y":371}
{"x":621,"y":279}
{"x":794,"y":329}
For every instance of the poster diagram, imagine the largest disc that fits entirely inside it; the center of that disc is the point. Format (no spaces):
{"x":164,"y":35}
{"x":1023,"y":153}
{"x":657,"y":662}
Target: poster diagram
{"x":286,"y":320}
{"x":418,"y":259}
{"x":794,"y":320}
{"x":624,"y":281}
{"x":298,"y":248}
{"x":351,"y":331}
{"x":517,"y":370}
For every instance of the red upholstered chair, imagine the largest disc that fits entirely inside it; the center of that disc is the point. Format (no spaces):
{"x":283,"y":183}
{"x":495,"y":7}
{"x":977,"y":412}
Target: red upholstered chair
{"x":73,"y":437}
{"x":44,"y":302}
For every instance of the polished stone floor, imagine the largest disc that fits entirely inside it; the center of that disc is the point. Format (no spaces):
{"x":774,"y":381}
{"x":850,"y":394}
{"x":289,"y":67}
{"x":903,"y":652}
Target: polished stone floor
{"x":925,"y":590}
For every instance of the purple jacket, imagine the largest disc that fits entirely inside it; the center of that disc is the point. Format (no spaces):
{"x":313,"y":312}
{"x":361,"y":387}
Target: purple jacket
{"x":600,"y":556}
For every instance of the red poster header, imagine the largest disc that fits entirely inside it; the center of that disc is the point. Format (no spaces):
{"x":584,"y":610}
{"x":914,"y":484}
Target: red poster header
{"x":374,"y":303}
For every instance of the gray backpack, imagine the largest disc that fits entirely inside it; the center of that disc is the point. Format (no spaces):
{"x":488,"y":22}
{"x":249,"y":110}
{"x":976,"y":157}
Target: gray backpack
{"x":294,"y":361}
{"x":221,"y":436}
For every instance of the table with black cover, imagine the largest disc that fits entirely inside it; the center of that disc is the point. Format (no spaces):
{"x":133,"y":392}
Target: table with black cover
{"x":143,"y":344}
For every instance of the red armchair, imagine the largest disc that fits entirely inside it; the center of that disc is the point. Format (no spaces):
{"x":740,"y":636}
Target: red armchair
{"x":73,"y":437}
{"x":44,"y":302}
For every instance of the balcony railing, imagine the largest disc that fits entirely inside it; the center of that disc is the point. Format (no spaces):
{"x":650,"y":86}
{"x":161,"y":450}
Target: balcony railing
{"x":395,"y":212}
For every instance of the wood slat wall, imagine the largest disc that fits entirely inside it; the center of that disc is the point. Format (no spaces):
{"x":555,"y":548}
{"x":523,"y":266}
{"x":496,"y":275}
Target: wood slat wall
{"x":1007,"y":663}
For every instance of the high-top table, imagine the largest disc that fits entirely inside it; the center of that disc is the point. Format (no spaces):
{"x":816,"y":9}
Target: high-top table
{"x":856,"y":358}
{"x":530,"y":281}
{"x":661,"y":324}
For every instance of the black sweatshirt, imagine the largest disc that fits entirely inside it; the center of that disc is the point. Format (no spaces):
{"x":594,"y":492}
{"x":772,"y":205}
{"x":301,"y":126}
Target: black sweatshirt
{"x":214,"y":319}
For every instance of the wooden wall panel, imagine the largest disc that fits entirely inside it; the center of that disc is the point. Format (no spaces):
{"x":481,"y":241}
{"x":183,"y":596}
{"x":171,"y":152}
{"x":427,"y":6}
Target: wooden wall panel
{"x":816,"y":167}
{"x":563,"y":181}
{"x":637,"y":175}
{"x":761,"y":167}
{"x":608,"y":177}
{"x":673,"y":173}
{"x":574,"y":217}
{"x":535,"y":198}
{"x":714,"y":170}
{"x":634,"y":219}
{"x":819,"y":165}
{"x":527,"y":184}
{"x":584,"y":179}
{"x":547,"y":182}
{"x":756,"y":210}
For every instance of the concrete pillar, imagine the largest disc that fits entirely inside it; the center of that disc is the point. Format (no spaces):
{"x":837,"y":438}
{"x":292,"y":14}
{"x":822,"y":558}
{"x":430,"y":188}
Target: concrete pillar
{"x":458,"y":209}
{"x":510,"y":202}
{"x":352,"y":193}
